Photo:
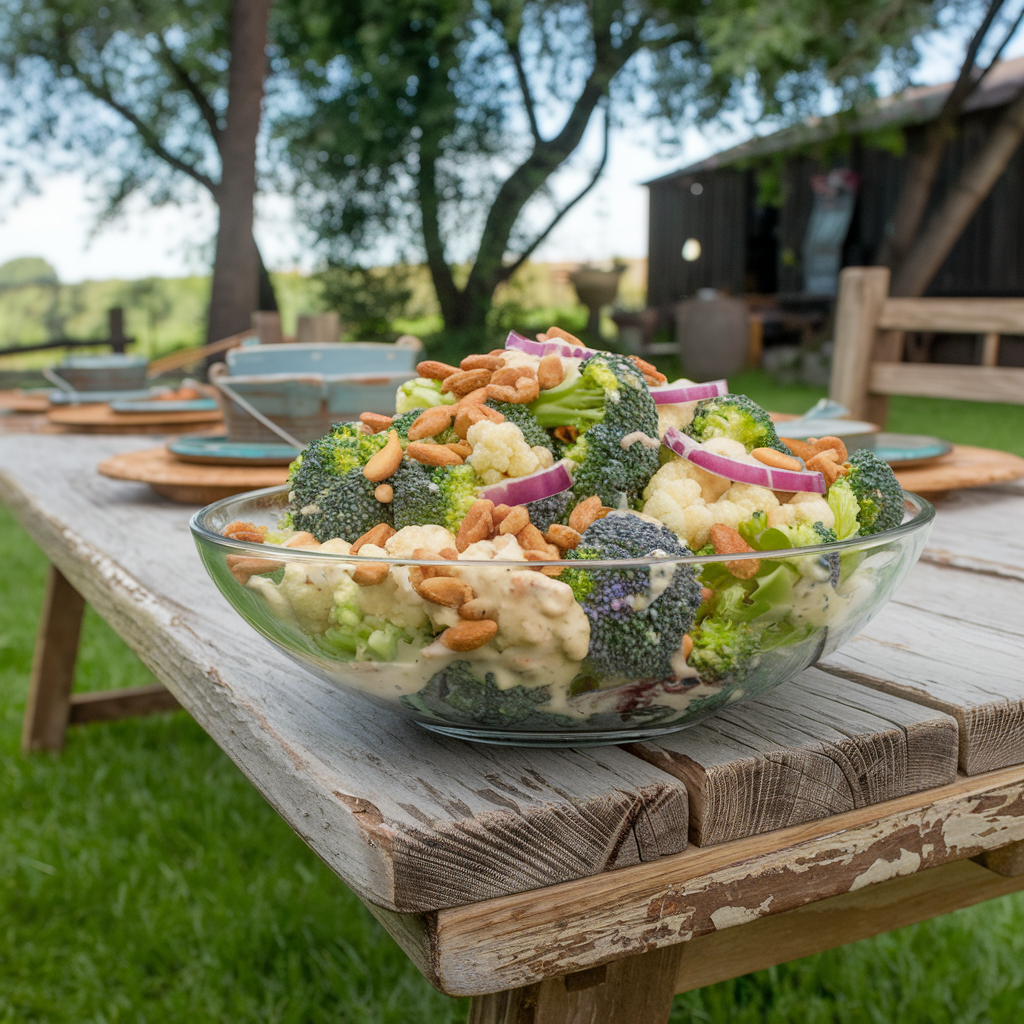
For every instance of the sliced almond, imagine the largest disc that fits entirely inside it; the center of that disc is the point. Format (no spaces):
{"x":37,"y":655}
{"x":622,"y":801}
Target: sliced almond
{"x":433,"y":455}
{"x":469,"y":635}
{"x":386,"y":461}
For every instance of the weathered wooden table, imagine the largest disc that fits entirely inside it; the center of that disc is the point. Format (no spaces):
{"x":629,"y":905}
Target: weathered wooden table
{"x":879,"y":789}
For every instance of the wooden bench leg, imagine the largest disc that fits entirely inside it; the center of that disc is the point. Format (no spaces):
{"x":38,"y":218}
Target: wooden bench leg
{"x":635,"y":990}
{"x":53,"y":666}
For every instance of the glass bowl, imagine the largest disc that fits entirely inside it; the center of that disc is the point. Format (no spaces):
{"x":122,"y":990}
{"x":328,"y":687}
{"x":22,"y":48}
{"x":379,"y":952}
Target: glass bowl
{"x":533,"y":683}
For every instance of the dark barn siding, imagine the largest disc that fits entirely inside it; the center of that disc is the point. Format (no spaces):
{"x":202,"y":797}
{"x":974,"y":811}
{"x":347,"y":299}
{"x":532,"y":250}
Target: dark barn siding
{"x":717,"y":218}
{"x":987,"y":260}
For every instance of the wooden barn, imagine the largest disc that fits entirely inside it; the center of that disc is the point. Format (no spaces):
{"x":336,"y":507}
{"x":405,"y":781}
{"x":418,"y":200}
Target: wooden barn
{"x":739,"y":221}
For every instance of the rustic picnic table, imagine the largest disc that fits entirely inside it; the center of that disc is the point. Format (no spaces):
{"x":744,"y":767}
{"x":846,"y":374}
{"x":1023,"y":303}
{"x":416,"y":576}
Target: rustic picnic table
{"x":881,"y":788}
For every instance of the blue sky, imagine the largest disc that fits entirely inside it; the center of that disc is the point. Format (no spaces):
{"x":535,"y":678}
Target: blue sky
{"x":58,"y":223}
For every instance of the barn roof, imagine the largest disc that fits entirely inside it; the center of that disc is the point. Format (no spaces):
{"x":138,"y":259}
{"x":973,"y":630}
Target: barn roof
{"x":916,"y":105}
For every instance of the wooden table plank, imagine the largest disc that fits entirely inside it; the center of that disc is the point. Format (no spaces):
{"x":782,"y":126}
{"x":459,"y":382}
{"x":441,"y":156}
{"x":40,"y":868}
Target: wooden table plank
{"x":517,"y":940}
{"x":839,"y":920}
{"x":977,"y":529}
{"x":815,"y":746}
{"x":952,"y":640}
{"x":408,"y":820}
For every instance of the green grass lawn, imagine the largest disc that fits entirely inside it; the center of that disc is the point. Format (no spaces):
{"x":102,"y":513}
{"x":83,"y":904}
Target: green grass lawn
{"x":142,"y":879}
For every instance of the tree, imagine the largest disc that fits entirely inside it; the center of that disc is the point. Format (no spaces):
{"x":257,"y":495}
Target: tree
{"x":160,"y":95}
{"x":916,"y":247}
{"x":430,"y":122}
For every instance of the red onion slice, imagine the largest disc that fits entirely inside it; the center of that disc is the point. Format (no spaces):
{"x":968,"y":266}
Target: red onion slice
{"x":554,"y":346}
{"x":669,"y":394}
{"x":743,"y":472}
{"x":522,"y":489}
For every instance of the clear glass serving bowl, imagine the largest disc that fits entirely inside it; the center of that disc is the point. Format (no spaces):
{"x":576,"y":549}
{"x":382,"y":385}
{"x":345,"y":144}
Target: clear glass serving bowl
{"x":532,"y":685}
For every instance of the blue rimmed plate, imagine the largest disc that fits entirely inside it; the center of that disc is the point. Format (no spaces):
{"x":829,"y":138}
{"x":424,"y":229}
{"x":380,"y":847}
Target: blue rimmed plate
{"x":94,"y":397}
{"x":220,"y":451}
{"x":168,"y":405}
{"x":905,"y":450}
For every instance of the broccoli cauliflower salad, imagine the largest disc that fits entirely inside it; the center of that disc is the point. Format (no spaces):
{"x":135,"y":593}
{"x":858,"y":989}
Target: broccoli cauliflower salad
{"x":548,"y":452}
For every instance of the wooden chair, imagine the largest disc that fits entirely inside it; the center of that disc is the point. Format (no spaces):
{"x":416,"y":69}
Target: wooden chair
{"x":869,"y":338}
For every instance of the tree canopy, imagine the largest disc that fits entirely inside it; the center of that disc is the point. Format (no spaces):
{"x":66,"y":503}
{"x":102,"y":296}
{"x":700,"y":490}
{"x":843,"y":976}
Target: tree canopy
{"x":438,"y":128}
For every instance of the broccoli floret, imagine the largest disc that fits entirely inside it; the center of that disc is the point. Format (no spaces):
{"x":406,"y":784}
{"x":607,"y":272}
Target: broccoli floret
{"x":736,"y":417}
{"x":441,"y":495}
{"x":723,"y":649}
{"x":421,"y":393}
{"x":330,"y":497}
{"x":878,"y":492}
{"x":797,"y":535}
{"x":638,"y":617}
{"x":579,"y":401}
{"x":352,"y":636}
{"x":603,"y":467}
{"x":525,"y":420}
{"x":456,"y":695}
{"x":546,"y":511}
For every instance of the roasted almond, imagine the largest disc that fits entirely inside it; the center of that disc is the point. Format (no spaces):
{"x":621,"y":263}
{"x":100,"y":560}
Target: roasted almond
{"x":245,"y":531}
{"x":427,"y":572}
{"x":510,"y":374}
{"x":552,"y":555}
{"x":460,"y":448}
{"x":371,"y":573}
{"x":375,"y":421}
{"x":447,"y":591}
{"x":651,"y":373}
{"x":776,"y":459}
{"x":302,"y":539}
{"x":469,"y":635}
{"x":585,"y":513}
{"x":566,"y":434}
{"x":433,"y":455}
{"x":431,"y":422}
{"x":550,"y":372}
{"x":526,"y":390}
{"x":433,"y":370}
{"x":726,"y":541}
{"x":474,"y":413}
{"x":530,"y":538}
{"x":384,"y":463}
{"x":476,"y":397}
{"x":687,"y":645}
{"x":384,"y":493}
{"x":565,"y":538}
{"x":489,"y":362}
{"x":515,"y":520}
{"x":476,"y":526}
{"x":827,"y":463}
{"x":499,"y":513}
{"x":557,"y":332}
{"x":242,"y":567}
{"x":377,"y":536}
{"x":474,"y":610}
{"x":465,"y":381}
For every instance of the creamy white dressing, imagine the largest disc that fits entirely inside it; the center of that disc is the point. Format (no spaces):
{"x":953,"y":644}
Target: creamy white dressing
{"x":639,"y":437}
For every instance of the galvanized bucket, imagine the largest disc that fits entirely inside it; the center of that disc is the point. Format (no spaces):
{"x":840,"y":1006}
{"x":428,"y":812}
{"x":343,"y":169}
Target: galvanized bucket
{"x":104,"y":373}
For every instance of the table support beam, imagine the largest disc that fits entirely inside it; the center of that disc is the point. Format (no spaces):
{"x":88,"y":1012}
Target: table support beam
{"x":51,"y":707}
{"x":635,"y":990}
{"x":48,"y":707}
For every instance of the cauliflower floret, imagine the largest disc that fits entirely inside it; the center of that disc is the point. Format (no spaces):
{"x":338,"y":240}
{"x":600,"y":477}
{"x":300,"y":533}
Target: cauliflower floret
{"x":306,"y":589}
{"x":409,"y":538}
{"x":813,"y":508}
{"x":500,"y":451}
{"x":731,"y":449}
{"x":336,"y":546}
{"x":689,"y":500}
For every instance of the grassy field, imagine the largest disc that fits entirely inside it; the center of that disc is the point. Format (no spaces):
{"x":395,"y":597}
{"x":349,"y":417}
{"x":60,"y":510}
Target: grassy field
{"x":142,"y":879}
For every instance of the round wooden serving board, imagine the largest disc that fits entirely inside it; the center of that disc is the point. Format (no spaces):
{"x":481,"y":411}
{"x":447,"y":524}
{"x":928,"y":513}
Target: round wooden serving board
{"x":100,"y":419}
{"x":187,"y":482}
{"x":15,"y":400}
{"x":964,"y":466}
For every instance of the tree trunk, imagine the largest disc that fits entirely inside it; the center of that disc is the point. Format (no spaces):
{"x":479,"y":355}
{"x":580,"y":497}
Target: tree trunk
{"x":236,"y":266}
{"x":947,"y":223}
{"x":267,"y":297}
